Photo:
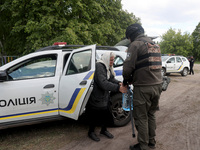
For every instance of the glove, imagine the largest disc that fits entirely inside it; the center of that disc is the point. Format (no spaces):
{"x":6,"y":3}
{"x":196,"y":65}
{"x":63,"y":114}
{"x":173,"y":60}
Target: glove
{"x":127,"y":82}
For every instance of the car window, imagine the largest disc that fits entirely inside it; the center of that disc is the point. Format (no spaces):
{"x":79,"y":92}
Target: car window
{"x":65,"y":60}
{"x":118,"y":61}
{"x":79,"y":62}
{"x":184,"y":59}
{"x":171,"y":60}
{"x":164,"y":58}
{"x":37,"y":67}
{"x":178,"y":59}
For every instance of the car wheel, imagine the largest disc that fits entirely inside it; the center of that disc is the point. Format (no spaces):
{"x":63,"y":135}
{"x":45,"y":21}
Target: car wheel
{"x":120,"y":117}
{"x":184,"y":72}
{"x":163,"y":71}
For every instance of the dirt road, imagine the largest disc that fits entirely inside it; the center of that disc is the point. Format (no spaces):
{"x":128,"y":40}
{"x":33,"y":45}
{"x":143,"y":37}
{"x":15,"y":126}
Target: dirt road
{"x":178,"y":121}
{"x":178,"y":125}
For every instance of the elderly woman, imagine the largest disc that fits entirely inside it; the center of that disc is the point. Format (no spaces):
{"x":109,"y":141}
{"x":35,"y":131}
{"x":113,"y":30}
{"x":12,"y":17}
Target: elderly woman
{"x":104,"y":82}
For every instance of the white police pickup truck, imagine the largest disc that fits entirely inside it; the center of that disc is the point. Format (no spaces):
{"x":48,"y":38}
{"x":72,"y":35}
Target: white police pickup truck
{"x":54,"y":82}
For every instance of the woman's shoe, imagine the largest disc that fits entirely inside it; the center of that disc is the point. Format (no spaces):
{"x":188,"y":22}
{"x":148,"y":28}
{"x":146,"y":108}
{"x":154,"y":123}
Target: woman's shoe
{"x":107,"y":134}
{"x":93,"y":136}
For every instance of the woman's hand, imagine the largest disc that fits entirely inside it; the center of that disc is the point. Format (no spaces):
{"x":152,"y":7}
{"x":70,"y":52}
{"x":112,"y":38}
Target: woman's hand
{"x":123,"y":89}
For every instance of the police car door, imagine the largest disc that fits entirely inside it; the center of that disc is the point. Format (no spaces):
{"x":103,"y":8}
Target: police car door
{"x":178,"y":64}
{"x":75,"y":82}
{"x":170,"y":65}
{"x":32,"y":88}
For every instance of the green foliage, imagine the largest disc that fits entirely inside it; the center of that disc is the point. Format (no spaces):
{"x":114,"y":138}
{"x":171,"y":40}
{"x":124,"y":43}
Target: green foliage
{"x":196,"y":42}
{"x":176,"y":43}
{"x":31,"y":24}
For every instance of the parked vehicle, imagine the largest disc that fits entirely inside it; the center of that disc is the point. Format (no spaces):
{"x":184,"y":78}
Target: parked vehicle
{"x":52,"y":83}
{"x":175,"y":64}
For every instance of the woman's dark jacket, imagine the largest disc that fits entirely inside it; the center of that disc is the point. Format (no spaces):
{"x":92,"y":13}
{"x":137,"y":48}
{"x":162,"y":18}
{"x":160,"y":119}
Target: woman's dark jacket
{"x":102,"y":86}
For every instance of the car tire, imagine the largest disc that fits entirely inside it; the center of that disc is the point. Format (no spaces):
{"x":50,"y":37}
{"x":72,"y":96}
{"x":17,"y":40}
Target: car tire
{"x":119,"y":116}
{"x":163,"y":72}
{"x":184,"y":72}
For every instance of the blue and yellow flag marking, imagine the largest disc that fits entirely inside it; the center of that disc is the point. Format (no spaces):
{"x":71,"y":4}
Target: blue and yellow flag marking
{"x":180,"y":66}
{"x":89,"y":76}
{"x":118,"y":72}
{"x":69,"y":109}
{"x":29,"y":114}
{"x":76,"y":96}
{"x":73,"y":101}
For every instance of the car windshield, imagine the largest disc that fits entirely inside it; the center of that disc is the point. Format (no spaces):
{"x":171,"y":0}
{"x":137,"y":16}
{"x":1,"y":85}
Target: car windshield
{"x":164,"y":58}
{"x":122,"y":48}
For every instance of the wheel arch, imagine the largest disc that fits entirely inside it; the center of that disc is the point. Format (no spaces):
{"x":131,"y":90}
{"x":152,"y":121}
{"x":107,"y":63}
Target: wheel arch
{"x":163,"y":71}
{"x":183,"y":73}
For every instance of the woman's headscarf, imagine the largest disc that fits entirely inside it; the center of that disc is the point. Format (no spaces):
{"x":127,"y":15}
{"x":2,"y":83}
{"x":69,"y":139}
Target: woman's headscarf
{"x":105,"y":59}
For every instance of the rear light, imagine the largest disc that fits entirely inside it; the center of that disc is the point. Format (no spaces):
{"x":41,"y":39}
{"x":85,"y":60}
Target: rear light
{"x":60,"y":43}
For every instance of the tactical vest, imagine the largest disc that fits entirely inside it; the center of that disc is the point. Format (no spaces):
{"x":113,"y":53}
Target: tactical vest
{"x":153,"y":57}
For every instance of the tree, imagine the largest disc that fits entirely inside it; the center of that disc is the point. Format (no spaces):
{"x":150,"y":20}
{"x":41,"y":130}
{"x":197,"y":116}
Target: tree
{"x":6,"y":24}
{"x":30,"y":25}
{"x":196,"y":42}
{"x":173,"y":42}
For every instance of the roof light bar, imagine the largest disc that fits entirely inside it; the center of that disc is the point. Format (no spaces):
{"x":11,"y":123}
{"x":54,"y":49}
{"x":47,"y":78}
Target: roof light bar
{"x":60,"y":43}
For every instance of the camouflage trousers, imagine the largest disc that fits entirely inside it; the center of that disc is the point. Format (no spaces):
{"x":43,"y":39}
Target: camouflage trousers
{"x":145,"y":102}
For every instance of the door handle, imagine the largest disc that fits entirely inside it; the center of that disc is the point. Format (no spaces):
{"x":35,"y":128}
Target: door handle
{"x":49,"y":86}
{"x":84,"y":82}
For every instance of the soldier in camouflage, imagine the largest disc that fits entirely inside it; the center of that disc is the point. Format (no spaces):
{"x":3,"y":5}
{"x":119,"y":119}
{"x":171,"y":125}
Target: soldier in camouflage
{"x":142,"y":68}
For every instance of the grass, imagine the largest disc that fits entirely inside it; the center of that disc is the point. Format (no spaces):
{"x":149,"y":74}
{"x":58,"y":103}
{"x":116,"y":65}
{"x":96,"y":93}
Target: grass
{"x":197,"y":62}
{"x":195,"y":68}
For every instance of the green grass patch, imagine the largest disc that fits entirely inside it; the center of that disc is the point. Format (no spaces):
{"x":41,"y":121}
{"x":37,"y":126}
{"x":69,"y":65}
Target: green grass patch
{"x":197,"y":62}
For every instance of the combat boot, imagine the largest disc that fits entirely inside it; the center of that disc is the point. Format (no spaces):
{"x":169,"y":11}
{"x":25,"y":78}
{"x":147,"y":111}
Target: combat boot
{"x":135,"y":147}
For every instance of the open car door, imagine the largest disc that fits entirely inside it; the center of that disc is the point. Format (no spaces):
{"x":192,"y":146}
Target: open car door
{"x":76,"y":80}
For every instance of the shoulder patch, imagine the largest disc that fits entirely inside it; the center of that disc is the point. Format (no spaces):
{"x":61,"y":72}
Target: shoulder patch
{"x":128,"y":55}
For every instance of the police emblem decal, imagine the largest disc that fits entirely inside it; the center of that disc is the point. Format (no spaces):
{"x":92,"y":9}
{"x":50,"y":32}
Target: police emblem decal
{"x":128,"y":55}
{"x":47,"y":98}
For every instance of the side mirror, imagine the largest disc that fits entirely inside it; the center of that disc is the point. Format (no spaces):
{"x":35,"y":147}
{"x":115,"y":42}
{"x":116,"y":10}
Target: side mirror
{"x":3,"y":76}
{"x":168,"y":61}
